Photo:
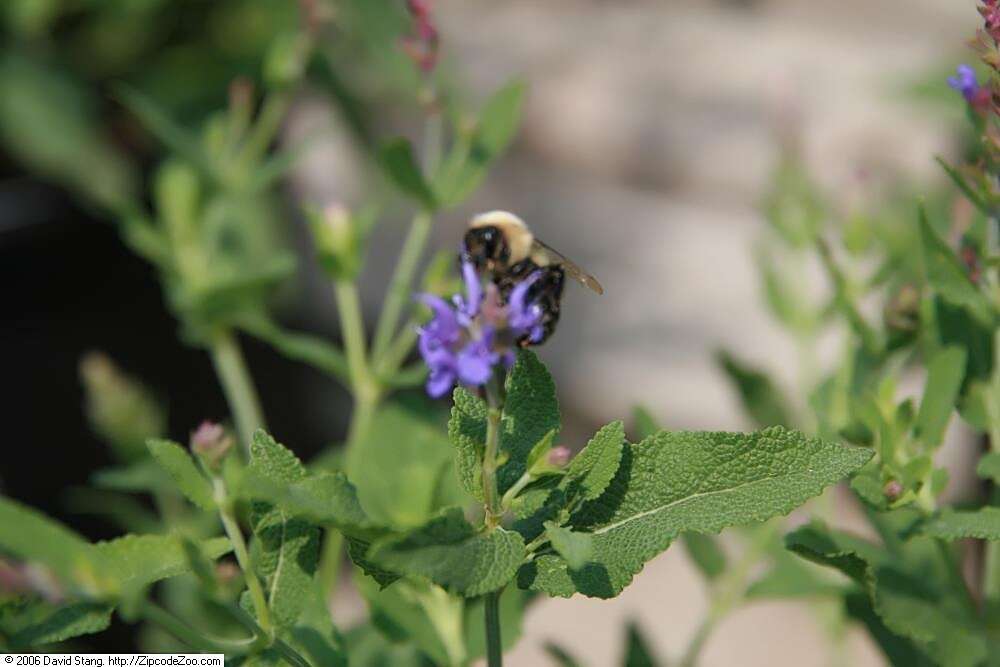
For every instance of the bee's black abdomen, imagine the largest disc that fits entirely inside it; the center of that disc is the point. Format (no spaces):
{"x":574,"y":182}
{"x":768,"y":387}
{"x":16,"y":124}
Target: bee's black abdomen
{"x":546,"y":292}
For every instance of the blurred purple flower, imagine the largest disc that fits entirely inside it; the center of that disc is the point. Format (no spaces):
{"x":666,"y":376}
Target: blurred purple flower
{"x":465,"y":340}
{"x":965,"y":82}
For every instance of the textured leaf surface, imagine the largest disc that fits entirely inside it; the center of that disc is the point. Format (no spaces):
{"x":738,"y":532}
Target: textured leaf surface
{"x":467,"y":431}
{"x":136,"y":561}
{"x":450,"y":552}
{"x":530,"y":412}
{"x":287,"y":547}
{"x":34,"y":622}
{"x":182,"y":470}
{"x":592,"y":469}
{"x":903,"y":593}
{"x":676,"y":482}
{"x":982,"y":524}
{"x":945,"y":373}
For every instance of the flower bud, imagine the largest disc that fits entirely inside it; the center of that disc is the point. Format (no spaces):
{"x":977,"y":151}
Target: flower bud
{"x":211,"y":443}
{"x":338,"y":237}
{"x":120,"y":409}
{"x":892,"y":490}
{"x":559,"y":456}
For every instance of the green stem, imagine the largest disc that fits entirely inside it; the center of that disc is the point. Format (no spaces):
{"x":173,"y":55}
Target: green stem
{"x":243,"y":557}
{"x":352,"y":329}
{"x":268,"y":123}
{"x":494,"y":647}
{"x":398,"y":351}
{"x":238,"y":385}
{"x":184,"y":632}
{"x":490,"y":492}
{"x":401,"y":285}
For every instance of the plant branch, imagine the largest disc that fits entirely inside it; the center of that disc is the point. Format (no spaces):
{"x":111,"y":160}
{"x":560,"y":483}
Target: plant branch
{"x":494,"y":646}
{"x":242,"y":556}
{"x":237,"y":385}
{"x":401,"y":285}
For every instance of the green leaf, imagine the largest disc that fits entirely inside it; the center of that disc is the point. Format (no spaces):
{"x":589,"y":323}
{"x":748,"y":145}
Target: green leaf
{"x":136,"y":561}
{"x":948,"y":276}
{"x":466,"y":165}
{"x":450,"y":552}
{"x":793,"y":577}
{"x":159,"y":123}
{"x":399,"y":163}
{"x":287,"y":547}
{"x":989,"y":467}
{"x":575,"y":548}
{"x":903,"y":593}
{"x":30,"y":535}
{"x":705,"y":553}
{"x":644,"y":422}
{"x":945,"y":372}
{"x":560,"y":656}
{"x":27,"y":623}
{"x":467,"y":431}
{"x":182,"y":470}
{"x":638,"y":652}
{"x":592,"y":469}
{"x":325,"y":498}
{"x":949,"y":524}
{"x":676,"y":482}
{"x":402,"y":468}
{"x":762,"y":400}
{"x":974,"y":197}
{"x":899,"y":651}
{"x":530,"y":412}
{"x":417,"y":611}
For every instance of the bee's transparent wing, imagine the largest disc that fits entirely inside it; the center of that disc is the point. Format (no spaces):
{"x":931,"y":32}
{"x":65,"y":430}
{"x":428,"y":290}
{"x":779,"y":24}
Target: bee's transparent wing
{"x":572,"y":268}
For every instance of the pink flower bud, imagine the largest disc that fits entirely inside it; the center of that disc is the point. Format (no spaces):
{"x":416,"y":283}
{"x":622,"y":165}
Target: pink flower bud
{"x":211,"y":442}
{"x":892,"y":490}
{"x":559,"y":456}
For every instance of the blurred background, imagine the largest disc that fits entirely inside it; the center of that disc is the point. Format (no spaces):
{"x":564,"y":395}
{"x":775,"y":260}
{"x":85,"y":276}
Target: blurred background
{"x":650,"y":137}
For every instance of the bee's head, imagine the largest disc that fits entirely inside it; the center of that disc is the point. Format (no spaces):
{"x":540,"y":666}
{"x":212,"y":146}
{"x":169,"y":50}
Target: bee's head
{"x":486,"y":247}
{"x":498,"y":238}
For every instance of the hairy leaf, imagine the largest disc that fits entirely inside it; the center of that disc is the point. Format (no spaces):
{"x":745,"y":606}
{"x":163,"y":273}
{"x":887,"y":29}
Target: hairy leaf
{"x":467,"y":431}
{"x":989,"y":467}
{"x":28,"y":623}
{"x":287,"y":546}
{"x":450,"y":552}
{"x":592,"y":469}
{"x":182,"y":470}
{"x":530,"y":412}
{"x":676,"y":482}
{"x":983,"y":524}
{"x":136,"y":561}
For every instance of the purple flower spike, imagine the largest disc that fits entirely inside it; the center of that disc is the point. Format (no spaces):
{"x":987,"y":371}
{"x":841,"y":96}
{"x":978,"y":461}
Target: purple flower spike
{"x":479,"y":331}
{"x":965,"y":82}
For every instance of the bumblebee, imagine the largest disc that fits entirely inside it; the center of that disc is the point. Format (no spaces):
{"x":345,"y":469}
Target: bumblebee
{"x":501,"y":244}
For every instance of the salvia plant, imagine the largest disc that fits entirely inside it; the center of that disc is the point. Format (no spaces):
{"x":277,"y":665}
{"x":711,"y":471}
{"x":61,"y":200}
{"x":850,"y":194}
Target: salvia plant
{"x":450,"y":524}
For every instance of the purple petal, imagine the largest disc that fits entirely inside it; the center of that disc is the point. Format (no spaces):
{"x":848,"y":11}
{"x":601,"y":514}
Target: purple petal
{"x":474,"y":363}
{"x":440,"y":382}
{"x":444,"y":325}
{"x":473,"y":289}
